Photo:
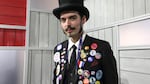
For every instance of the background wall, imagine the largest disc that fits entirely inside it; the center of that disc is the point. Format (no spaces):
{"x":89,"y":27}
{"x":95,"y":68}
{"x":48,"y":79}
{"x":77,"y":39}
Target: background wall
{"x":44,"y":34}
{"x":124,"y":23}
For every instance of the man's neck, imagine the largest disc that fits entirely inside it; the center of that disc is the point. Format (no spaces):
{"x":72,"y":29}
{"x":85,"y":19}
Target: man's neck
{"x":76,"y":38}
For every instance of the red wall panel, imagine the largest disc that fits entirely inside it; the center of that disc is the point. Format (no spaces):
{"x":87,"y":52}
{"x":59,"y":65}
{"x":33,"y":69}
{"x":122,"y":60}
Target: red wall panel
{"x":12,"y":37}
{"x":13,"y":12}
{"x":12,"y":20}
{"x":1,"y":37}
{"x":13,"y":3}
{"x":9,"y":37}
{"x":20,"y":38}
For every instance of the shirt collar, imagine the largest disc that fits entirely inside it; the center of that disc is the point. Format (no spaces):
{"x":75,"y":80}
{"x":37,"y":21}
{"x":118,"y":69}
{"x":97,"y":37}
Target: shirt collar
{"x":77,"y":43}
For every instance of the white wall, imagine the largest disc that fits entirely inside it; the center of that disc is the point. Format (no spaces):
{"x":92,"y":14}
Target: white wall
{"x":111,"y":20}
{"x":43,"y":5}
{"x":44,"y":34}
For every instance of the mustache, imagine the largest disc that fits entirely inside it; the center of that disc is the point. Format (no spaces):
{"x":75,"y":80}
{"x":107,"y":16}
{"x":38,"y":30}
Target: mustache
{"x":70,"y":28}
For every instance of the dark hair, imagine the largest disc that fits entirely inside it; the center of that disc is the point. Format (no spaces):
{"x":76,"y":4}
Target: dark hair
{"x":81,"y":14}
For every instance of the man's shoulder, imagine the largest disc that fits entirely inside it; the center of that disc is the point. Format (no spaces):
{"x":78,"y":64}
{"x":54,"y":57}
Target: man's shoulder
{"x":103,"y":44}
{"x":93,"y":39}
{"x":61,"y":44}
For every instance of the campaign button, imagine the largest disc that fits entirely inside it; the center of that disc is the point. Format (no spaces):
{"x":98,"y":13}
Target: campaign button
{"x":92,"y":80}
{"x":84,"y":60}
{"x":98,"y":56}
{"x":99,"y":74}
{"x":86,"y":47}
{"x":65,"y":61}
{"x":93,"y":46}
{"x":86,"y":74}
{"x":62,"y":56}
{"x":86,"y":81}
{"x":80,"y":71}
{"x":92,"y":72}
{"x":80,"y":82}
{"x":60,"y":77}
{"x":63,"y":52}
{"x":59,"y":47}
{"x":57,"y":70}
{"x":92,"y":52}
{"x":90,"y":59}
{"x":97,"y":82}
{"x":57,"y":57}
{"x":64,"y":49}
{"x":83,"y":55}
{"x":62,"y":64}
{"x":62,"y":60}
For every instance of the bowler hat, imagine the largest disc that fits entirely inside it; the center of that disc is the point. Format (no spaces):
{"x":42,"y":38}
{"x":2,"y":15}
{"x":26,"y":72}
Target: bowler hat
{"x":67,"y":5}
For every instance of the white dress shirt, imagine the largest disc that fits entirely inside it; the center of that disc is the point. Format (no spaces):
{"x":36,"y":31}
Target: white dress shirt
{"x":70,"y":44}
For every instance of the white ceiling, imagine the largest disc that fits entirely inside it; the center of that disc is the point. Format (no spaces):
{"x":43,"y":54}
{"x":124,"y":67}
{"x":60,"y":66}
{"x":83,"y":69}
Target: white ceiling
{"x":43,"y":5}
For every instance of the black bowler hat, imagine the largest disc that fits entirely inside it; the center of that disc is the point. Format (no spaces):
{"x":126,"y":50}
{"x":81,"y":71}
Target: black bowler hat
{"x":66,"y":5}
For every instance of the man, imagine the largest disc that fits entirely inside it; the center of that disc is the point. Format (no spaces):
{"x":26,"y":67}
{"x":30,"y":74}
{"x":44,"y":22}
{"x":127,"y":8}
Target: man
{"x":90,"y":60}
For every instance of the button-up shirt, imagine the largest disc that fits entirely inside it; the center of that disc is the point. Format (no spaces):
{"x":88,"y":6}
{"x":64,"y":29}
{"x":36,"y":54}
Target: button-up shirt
{"x":76,"y":44}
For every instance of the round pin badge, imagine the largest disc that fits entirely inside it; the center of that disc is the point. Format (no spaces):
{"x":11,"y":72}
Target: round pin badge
{"x":99,"y":74}
{"x":63,"y":52}
{"x":62,"y":56}
{"x":92,"y":80}
{"x":94,"y":46}
{"x":90,"y":59}
{"x":97,"y":82}
{"x":59,"y":47}
{"x":98,"y":56}
{"x":83,"y":55}
{"x":92,"y":52}
{"x":65,"y":61}
{"x":86,"y":81}
{"x":86,"y":73}
{"x":57,"y":70}
{"x":80,"y":71}
{"x":92,"y":72}
{"x":62,"y":60}
{"x":86,"y":47}
{"x":80,"y":82}
{"x":84,"y":60}
{"x":60,"y":77}
{"x":57,"y":57}
{"x":64,"y":48}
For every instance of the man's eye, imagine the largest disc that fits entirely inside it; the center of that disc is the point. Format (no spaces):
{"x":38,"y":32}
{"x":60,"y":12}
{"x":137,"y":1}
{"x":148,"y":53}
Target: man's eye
{"x":72,"y":18}
{"x":62,"y":20}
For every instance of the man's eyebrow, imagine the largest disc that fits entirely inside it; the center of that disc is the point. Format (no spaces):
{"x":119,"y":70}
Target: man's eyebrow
{"x":73,"y":16}
{"x":62,"y":18}
{"x":69,"y":16}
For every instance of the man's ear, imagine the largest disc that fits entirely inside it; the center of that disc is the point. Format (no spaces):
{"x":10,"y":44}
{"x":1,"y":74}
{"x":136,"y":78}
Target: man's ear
{"x":84,"y":19}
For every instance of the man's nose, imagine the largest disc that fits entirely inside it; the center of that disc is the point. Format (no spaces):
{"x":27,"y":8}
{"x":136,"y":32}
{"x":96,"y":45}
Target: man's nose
{"x":67,"y":22}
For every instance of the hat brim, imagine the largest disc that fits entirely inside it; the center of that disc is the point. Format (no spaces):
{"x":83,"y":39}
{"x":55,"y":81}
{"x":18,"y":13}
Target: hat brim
{"x":81,"y":9}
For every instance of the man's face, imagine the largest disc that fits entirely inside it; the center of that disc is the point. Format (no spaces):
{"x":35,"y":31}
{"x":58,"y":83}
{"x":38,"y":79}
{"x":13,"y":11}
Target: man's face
{"x":71,"y":23}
